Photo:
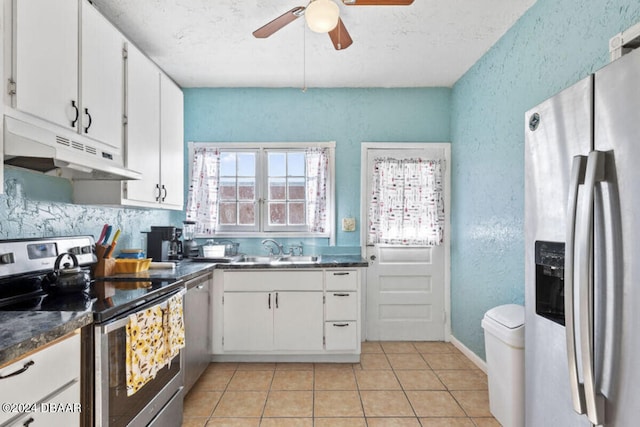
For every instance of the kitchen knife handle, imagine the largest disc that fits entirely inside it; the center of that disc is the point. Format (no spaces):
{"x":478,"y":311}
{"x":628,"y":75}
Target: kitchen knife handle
{"x":594,"y":401}
{"x":577,"y":178}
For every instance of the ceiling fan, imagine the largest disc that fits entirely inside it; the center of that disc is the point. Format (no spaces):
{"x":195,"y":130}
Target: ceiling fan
{"x":323,"y":16}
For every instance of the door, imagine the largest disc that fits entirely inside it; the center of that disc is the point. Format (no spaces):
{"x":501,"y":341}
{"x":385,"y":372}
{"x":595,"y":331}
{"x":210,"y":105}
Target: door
{"x":555,"y":132}
{"x":406,"y":285}
{"x":617,"y":115}
{"x":143,"y":127}
{"x":46,"y":60}
{"x":297,"y":320}
{"x":102,"y":79}
{"x":248,"y":321}
{"x":171,"y":143}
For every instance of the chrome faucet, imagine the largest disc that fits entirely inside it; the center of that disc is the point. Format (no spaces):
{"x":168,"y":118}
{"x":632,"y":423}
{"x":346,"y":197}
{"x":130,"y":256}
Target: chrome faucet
{"x":278,"y":245}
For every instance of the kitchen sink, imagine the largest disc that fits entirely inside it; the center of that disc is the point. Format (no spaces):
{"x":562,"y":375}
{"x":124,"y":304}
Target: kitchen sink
{"x":278,"y":259}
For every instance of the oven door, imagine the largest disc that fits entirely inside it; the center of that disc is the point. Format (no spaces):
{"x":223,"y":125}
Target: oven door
{"x":161,"y":395}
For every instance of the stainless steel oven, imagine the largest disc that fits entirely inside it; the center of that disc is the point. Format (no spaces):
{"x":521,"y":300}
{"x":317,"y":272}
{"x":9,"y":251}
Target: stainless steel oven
{"x":159,"y":401}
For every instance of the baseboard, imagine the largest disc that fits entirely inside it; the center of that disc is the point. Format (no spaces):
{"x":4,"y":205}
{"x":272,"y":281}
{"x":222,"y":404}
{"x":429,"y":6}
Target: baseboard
{"x":470,"y":354}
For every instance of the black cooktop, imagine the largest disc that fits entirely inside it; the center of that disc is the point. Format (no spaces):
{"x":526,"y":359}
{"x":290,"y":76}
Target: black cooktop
{"x":106,"y":299}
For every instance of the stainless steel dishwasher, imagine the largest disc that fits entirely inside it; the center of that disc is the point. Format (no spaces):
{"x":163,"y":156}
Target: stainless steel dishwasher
{"x":197,"y":334}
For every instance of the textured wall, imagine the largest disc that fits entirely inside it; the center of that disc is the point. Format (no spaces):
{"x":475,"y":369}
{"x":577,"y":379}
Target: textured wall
{"x":35,"y":205}
{"x":553,"y":45}
{"x":347,"y":116}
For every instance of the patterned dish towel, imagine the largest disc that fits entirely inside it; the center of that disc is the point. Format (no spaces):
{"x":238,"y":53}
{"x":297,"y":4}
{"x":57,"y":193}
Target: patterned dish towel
{"x":174,"y":327}
{"x":146,"y":347}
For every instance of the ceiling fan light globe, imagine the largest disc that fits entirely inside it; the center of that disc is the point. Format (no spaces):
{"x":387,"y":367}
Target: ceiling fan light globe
{"x":322,"y":15}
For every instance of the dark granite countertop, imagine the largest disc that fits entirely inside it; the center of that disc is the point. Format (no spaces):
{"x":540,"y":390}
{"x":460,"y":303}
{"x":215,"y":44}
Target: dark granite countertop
{"x":24,"y":331}
{"x":326,"y":261}
{"x":184,"y":270}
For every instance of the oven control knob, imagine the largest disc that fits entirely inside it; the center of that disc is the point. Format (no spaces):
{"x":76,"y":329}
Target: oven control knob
{"x":7,"y":258}
{"x":75,"y":250}
{"x":86,"y":249}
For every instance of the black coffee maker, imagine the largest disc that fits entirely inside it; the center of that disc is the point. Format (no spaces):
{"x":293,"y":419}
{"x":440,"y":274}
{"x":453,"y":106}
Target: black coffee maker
{"x":163,"y":244}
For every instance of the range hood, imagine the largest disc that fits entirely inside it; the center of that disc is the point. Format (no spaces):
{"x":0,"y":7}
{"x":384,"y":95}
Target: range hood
{"x":33,"y":147}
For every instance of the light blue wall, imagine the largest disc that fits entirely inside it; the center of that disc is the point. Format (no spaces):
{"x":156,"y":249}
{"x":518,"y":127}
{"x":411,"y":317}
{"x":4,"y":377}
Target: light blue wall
{"x":347,"y":116}
{"x":553,"y":45}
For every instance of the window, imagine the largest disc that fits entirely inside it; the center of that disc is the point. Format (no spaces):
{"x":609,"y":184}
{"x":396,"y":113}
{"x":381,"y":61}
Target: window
{"x":262,"y":189}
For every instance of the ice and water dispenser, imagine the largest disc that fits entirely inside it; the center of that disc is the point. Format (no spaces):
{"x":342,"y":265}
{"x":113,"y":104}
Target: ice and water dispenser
{"x":550,"y":280}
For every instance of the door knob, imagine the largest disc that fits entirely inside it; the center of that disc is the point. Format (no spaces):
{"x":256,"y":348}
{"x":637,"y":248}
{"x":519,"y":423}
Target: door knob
{"x":372,"y":257}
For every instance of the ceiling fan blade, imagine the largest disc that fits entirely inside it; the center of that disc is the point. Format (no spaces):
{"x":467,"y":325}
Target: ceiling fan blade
{"x":377,"y":2}
{"x":282,"y":20}
{"x":340,"y":36}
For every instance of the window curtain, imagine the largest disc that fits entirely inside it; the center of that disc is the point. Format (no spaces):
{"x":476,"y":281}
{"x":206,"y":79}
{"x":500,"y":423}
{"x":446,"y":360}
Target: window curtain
{"x":317,"y":170}
{"x":202,"y":201}
{"x":406,"y":205}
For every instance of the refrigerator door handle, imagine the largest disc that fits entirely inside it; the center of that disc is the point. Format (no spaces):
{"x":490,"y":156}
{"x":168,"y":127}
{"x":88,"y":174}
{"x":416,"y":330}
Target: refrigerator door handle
{"x":577,"y":177}
{"x":594,"y":401}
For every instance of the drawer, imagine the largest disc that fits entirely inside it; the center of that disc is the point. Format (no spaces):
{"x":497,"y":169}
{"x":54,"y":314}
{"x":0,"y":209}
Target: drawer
{"x":47,"y":370}
{"x":268,"y":281}
{"x":341,"y":335}
{"x":341,"y":280}
{"x":61,"y":410}
{"x":341,"y":305}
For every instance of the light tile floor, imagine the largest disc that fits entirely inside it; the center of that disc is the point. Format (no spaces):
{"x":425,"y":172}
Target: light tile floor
{"x":403,"y":384}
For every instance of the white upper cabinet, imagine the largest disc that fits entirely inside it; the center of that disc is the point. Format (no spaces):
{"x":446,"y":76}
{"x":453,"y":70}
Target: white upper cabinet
{"x":143,"y":128}
{"x":45,"y":67}
{"x":69,"y":71}
{"x":171,"y":143}
{"x":102,"y":82}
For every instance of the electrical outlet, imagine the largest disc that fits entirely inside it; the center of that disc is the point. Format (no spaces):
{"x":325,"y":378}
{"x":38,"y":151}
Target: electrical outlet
{"x":348,"y":224}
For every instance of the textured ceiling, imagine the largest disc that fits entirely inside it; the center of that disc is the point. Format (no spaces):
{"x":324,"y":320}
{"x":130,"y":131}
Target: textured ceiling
{"x":208,"y":43}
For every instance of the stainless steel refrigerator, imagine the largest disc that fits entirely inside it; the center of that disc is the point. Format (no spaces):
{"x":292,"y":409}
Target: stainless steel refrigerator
{"x":582,"y":269}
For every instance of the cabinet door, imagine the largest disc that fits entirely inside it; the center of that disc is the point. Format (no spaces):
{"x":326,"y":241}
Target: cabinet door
{"x":46,"y":59}
{"x":143,"y":127}
{"x":297,"y":321}
{"x":248,"y":321}
{"x":171,"y":143}
{"x":102,"y":71}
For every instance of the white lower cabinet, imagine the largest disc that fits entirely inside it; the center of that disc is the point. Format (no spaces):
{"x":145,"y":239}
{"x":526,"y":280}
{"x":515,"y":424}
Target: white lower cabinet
{"x":286,"y":312}
{"x":48,"y":379}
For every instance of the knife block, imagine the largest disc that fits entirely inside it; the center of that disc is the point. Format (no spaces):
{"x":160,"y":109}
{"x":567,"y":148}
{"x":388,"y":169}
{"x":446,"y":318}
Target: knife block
{"x":105,"y":266}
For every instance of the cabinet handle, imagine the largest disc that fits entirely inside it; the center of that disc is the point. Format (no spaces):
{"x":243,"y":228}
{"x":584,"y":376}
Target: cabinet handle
{"x":19,"y":371}
{"x":269,"y":302}
{"x":276,"y":300}
{"x":165,"y":192}
{"x":340,"y":295}
{"x":344,"y":273}
{"x":28,"y":422}
{"x":75,"y":120}
{"x":159,"y":192}
{"x":340,"y":325}
{"x":86,"y":111}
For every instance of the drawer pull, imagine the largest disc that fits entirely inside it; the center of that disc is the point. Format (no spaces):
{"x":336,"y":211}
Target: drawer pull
{"x":19,"y":371}
{"x":340,"y":325}
{"x":344,"y":273}
{"x":28,"y":422}
{"x":340,"y":295}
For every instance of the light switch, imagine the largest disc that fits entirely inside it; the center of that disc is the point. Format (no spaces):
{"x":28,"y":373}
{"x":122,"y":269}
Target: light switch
{"x":348,"y":224}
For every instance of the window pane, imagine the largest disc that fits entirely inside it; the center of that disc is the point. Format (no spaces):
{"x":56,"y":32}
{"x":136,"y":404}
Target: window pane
{"x":277,"y":189}
{"x":227,"y":164}
{"x":246,"y":164}
{"x":296,"y":214}
{"x":246,"y":189}
{"x":277,"y":214}
{"x":296,"y":188}
{"x":295,"y":165}
{"x":277,"y":164}
{"x":247,"y":214}
{"x":227,"y":213}
{"x":228,"y":189}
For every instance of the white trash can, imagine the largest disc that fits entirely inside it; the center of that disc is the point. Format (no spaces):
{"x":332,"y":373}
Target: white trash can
{"x":504,"y":344}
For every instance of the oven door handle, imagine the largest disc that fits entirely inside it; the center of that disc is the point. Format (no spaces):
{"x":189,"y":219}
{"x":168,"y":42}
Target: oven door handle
{"x":122,"y":322}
